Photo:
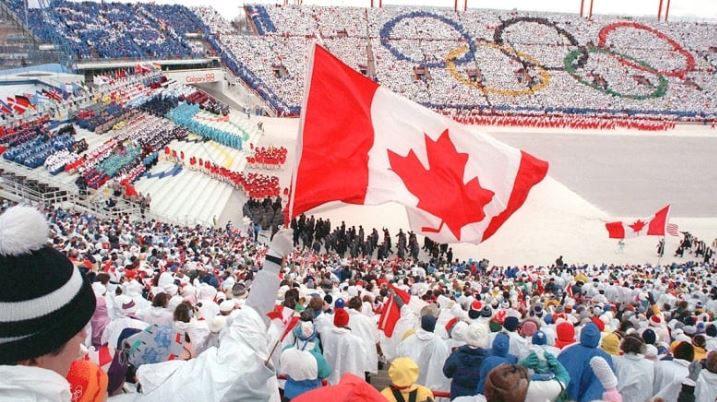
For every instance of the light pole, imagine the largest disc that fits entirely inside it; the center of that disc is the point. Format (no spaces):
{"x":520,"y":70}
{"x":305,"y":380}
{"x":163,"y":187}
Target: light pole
{"x":659,"y":11}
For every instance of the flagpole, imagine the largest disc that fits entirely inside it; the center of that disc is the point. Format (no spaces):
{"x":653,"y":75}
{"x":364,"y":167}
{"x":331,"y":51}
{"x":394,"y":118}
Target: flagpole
{"x":300,"y":138}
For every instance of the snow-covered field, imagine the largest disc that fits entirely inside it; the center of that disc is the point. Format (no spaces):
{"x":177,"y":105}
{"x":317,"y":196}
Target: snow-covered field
{"x":595,"y":176}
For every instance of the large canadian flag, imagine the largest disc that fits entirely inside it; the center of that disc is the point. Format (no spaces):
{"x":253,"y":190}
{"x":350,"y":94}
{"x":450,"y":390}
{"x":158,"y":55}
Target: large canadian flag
{"x":654,"y":226}
{"x":360,"y":143}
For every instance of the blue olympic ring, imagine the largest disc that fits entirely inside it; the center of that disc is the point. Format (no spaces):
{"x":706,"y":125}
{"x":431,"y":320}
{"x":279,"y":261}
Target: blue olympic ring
{"x":388,"y":27}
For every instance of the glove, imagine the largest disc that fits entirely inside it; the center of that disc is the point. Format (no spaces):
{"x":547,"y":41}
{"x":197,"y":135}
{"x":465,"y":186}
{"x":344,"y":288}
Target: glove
{"x":603,"y":372}
{"x":283,"y":243}
{"x":531,"y":362}
{"x":552,"y":360}
{"x":694,"y":369}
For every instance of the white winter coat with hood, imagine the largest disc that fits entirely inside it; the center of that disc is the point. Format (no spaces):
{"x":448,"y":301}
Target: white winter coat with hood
{"x":635,"y":377}
{"x":706,"y":389}
{"x":233,"y":372}
{"x":32,"y":384}
{"x":429,"y":352}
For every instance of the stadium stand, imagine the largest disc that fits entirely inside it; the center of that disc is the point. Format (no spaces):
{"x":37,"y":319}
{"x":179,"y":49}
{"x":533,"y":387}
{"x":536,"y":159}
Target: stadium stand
{"x":477,"y":62}
{"x":489,"y":62}
{"x":92,"y":30}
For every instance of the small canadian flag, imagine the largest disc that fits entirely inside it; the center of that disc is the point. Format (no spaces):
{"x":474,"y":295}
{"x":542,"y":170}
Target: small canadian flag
{"x":363,"y":144}
{"x":654,"y":226}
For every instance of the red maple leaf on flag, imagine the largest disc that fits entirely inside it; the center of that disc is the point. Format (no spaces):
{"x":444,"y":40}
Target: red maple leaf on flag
{"x":440,"y":188}
{"x":638,"y":225}
{"x":277,"y":313}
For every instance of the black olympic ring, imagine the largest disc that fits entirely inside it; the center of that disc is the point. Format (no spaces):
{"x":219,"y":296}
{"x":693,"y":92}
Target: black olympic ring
{"x":500,"y":30}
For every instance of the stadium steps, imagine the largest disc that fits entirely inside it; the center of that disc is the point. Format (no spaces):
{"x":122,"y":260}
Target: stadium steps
{"x":216,"y":199}
{"x":144,"y":183}
{"x":216,"y":206}
{"x":195,"y":196}
{"x":175,"y":197}
{"x":192,"y":196}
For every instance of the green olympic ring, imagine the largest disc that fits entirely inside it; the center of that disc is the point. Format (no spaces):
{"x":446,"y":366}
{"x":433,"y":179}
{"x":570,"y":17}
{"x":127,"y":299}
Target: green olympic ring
{"x":569,"y":61}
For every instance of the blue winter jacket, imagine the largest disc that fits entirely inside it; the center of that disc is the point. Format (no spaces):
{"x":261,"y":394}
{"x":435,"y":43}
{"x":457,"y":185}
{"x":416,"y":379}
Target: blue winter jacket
{"x":499,"y":355}
{"x":584,"y":386}
{"x":463,"y":366}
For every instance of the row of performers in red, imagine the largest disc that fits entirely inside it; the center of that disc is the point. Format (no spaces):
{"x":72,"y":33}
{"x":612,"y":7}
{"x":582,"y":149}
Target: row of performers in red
{"x":267,"y":157}
{"x":255,"y":185}
{"x":567,"y":122}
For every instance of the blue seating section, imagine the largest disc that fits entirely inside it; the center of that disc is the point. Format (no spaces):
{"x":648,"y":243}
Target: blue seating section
{"x":94,"y":30}
{"x":261,"y":18}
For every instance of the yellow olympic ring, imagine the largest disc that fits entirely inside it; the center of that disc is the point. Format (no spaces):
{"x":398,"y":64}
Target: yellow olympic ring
{"x":544,"y":75}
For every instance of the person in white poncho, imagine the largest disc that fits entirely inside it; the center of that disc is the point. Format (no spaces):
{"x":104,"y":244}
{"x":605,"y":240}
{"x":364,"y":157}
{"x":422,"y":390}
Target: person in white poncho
{"x":238,"y":369}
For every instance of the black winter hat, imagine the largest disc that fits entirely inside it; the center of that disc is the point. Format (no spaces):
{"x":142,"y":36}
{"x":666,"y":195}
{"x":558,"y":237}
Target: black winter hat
{"x":428,"y":323}
{"x":649,"y":336}
{"x":44,"y":300}
{"x":511,"y":323}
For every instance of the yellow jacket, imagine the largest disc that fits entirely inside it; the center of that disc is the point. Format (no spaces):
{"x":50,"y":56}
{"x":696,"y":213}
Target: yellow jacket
{"x":422,"y":395}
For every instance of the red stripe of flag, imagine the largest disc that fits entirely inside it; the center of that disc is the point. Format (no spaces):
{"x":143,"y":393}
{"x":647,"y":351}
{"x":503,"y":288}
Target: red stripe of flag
{"x":333,"y":165}
{"x":615,"y":230}
{"x":658,"y":222}
{"x":530,"y":172}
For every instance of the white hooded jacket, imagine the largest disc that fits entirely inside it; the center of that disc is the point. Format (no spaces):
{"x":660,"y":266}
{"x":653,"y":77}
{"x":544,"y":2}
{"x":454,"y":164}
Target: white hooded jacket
{"x":668,"y":378}
{"x":635,"y":377}
{"x":233,"y":372}
{"x":32,"y":384}
{"x":366,"y":328}
{"x":706,"y":389}
{"x":429,"y":352}
{"x":345,"y":353}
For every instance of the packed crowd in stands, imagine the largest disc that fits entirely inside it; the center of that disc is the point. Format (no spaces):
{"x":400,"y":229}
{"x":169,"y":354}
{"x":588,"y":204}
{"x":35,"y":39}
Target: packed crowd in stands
{"x":215,"y":23}
{"x":127,"y":153}
{"x":133,"y":112}
{"x":254,"y":185}
{"x":295,"y":310}
{"x":270,"y":157}
{"x":491,"y":61}
{"x":91,"y":30}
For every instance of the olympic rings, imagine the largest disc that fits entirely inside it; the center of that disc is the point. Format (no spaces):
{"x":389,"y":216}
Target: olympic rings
{"x":500,"y":30}
{"x":573,"y":61}
{"x":679,"y":73}
{"x":544,"y":74}
{"x":571,"y":69}
{"x":388,"y":28}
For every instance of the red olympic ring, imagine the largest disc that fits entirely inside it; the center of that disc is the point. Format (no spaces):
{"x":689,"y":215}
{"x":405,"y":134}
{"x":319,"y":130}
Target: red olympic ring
{"x":679,"y":73}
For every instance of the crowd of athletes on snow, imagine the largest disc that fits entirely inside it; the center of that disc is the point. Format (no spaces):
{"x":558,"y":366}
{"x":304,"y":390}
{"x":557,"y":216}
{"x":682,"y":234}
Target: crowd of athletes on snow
{"x":600,"y":332}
